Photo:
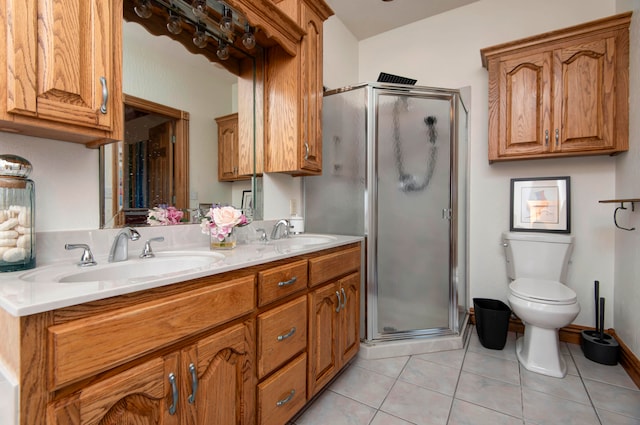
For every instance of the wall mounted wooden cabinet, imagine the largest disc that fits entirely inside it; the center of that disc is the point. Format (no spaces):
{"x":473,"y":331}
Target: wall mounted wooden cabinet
{"x":229,"y":150}
{"x":563,"y":93}
{"x":61,"y":69}
{"x":293,"y":105}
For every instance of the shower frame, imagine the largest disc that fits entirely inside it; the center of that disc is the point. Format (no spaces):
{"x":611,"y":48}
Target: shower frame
{"x":458,"y":132}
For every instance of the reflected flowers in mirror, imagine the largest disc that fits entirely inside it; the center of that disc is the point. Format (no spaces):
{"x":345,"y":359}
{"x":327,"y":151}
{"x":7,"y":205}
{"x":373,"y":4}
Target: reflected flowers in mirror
{"x":164,"y":215}
{"x":220,"y":221}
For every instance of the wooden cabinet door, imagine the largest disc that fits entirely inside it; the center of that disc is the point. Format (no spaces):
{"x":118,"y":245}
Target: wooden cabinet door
{"x":524,"y":107}
{"x":61,"y":61}
{"x":142,"y":395}
{"x":584,"y":95}
{"x":224,"y":386}
{"x":324,"y":322}
{"x":349,"y":333}
{"x":227,"y":147}
{"x":311,"y":91}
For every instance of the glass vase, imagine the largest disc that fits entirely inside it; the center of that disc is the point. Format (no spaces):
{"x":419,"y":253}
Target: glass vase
{"x":229,"y":242}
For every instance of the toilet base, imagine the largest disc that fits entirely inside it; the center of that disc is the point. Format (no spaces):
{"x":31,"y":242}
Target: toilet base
{"x":539,"y":352}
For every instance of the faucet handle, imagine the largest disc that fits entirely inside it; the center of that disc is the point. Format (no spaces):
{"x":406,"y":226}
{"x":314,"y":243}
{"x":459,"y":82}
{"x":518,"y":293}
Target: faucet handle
{"x":87,"y":256}
{"x":147,"y":252}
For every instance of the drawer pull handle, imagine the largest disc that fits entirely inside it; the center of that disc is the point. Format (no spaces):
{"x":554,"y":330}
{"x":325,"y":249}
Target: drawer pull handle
{"x":339,"y":302}
{"x":287,"y":399}
{"x":105,"y":95}
{"x":194,"y":383}
{"x":288,"y":282}
{"x":287,"y":335}
{"x":344,"y":299}
{"x":174,"y":391}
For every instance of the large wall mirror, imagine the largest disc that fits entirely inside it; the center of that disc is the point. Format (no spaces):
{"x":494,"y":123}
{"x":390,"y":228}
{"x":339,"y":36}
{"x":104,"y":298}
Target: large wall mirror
{"x":193,"y":91}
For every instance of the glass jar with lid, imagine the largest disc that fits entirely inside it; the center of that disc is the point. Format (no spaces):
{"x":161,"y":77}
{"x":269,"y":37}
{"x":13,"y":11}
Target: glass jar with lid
{"x":17,"y":213}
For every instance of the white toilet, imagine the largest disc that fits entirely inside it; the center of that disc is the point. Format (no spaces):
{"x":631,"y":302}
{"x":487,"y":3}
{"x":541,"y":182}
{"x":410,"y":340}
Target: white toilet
{"x":537,"y":265}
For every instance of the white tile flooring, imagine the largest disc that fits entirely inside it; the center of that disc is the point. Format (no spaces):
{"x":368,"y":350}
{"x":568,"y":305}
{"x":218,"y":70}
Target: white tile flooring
{"x":477,"y":386}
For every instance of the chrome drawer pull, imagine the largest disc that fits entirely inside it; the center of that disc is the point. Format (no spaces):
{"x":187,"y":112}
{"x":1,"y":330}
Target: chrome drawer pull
{"x":287,"y":335}
{"x":339,"y":302}
{"x":287,"y":399}
{"x":288,"y":282}
{"x":344,"y":299}
{"x":174,"y":391}
{"x":194,"y":383}
{"x":105,"y":95}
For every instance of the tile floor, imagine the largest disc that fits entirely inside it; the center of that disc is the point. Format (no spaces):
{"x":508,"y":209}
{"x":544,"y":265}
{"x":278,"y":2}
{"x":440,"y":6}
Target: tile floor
{"x":478,"y":386}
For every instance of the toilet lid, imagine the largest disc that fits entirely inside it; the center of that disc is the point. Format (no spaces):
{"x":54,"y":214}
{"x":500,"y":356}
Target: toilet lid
{"x":548,"y":291}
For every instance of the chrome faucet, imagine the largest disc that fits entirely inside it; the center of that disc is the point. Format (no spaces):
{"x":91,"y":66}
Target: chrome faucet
{"x":120,"y":248}
{"x":276,"y":234}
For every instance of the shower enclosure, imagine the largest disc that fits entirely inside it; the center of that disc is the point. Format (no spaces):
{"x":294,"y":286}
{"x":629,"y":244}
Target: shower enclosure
{"x":395,"y":171}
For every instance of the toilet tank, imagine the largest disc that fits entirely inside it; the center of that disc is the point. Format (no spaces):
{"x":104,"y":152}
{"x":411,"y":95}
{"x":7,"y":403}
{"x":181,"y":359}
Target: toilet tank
{"x":537,"y":255}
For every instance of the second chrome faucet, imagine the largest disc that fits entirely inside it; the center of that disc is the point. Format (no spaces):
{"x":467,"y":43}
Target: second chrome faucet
{"x":120,"y":248}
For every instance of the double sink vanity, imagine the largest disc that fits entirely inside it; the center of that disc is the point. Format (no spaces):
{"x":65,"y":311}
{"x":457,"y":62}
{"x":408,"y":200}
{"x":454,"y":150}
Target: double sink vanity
{"x":189,"y":336}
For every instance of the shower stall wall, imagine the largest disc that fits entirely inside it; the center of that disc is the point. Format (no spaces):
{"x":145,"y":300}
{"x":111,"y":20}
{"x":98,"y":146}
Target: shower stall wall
{"x":395,"y":171}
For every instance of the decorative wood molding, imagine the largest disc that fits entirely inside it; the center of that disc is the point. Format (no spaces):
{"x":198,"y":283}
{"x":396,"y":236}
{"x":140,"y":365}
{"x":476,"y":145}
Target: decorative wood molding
{"x":572,"y":335}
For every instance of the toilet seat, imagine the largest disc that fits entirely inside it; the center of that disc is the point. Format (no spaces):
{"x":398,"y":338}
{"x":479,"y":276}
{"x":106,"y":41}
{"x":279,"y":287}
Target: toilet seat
{"x":545,"y":291}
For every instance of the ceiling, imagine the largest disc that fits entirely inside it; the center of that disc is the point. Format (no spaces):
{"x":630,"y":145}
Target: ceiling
{"x":366,"y":18}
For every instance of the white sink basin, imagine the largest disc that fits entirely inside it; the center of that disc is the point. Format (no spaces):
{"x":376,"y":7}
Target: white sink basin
{"x":301,"y":242}
{"x":162,"y":265}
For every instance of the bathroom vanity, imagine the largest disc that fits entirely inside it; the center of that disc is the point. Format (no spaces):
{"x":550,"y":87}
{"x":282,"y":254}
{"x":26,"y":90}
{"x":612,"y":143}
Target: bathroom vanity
{"x":248,"y":339}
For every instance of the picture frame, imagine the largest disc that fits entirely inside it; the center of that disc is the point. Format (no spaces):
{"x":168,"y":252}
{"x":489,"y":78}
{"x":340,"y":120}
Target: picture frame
{"x":247,"y":200}
{"x":541,"y":204}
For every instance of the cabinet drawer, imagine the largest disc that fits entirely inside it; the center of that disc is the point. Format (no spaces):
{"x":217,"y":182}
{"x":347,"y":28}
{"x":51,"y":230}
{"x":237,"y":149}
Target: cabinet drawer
{"x":283,"y":395}
{"x":279,"y":282}
{"x":327,"y":267}
{"x":84,"y":347}
{"x":282,"y":333}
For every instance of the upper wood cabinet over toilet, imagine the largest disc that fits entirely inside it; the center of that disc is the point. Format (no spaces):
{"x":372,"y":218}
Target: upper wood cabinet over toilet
{"x":563,"y":93}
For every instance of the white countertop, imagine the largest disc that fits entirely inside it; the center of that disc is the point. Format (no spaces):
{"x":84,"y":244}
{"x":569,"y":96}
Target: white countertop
{"x":21,"y":297}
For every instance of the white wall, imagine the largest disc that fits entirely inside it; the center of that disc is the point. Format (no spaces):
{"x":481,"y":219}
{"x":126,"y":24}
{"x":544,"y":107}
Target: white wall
{"x":444,"y":51}
{"x":627,"y":245}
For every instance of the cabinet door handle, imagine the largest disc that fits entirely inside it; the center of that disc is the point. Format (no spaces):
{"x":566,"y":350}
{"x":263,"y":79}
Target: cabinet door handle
{"x":105,"y":95}
{"x":287,"y":399}
{"x":339,"y":302}
{"x":557,"y":136}
{"x":344,"y":299}
{"x":194,"y":383}
{"x":306,"y":151}
{"x":288,"y":282}
{"x":546,"y":137}
{"x":174,"y":392}
{"x":287,"y":335}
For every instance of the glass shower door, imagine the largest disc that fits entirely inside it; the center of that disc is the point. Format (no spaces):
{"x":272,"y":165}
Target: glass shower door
{"x":412,"y":212}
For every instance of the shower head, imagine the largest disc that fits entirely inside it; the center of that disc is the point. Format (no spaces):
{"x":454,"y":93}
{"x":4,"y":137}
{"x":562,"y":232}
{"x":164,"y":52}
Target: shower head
{"x":430,"y":120}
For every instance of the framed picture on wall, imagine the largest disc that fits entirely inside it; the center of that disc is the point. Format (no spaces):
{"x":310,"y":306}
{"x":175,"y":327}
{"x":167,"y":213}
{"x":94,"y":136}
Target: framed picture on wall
{"x":247,"y":200}
{"x":541,"y":204}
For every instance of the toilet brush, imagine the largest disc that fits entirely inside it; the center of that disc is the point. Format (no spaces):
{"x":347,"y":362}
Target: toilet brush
{"x":595,"y":344}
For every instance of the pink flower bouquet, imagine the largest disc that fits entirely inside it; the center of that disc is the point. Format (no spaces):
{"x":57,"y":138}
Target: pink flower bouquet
{"x":220,"y":221}
{"x":164,"y":216}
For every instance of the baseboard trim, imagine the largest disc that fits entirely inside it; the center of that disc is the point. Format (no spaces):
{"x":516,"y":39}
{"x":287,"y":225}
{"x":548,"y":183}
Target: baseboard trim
{"x":572,"y":335}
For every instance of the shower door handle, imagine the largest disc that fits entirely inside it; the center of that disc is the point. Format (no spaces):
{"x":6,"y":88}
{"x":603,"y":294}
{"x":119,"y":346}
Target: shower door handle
{"x":446,"y":213}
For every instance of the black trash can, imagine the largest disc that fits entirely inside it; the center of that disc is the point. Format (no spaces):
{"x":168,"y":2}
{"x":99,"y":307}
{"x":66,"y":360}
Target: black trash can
{"x":492,"y":322}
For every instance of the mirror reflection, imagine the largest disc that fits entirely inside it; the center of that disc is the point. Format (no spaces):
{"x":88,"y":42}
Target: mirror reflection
{"x":160,"y":71}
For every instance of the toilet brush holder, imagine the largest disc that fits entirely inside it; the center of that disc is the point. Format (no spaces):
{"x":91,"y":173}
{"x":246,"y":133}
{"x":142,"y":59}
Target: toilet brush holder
{"x":603,"y":350}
